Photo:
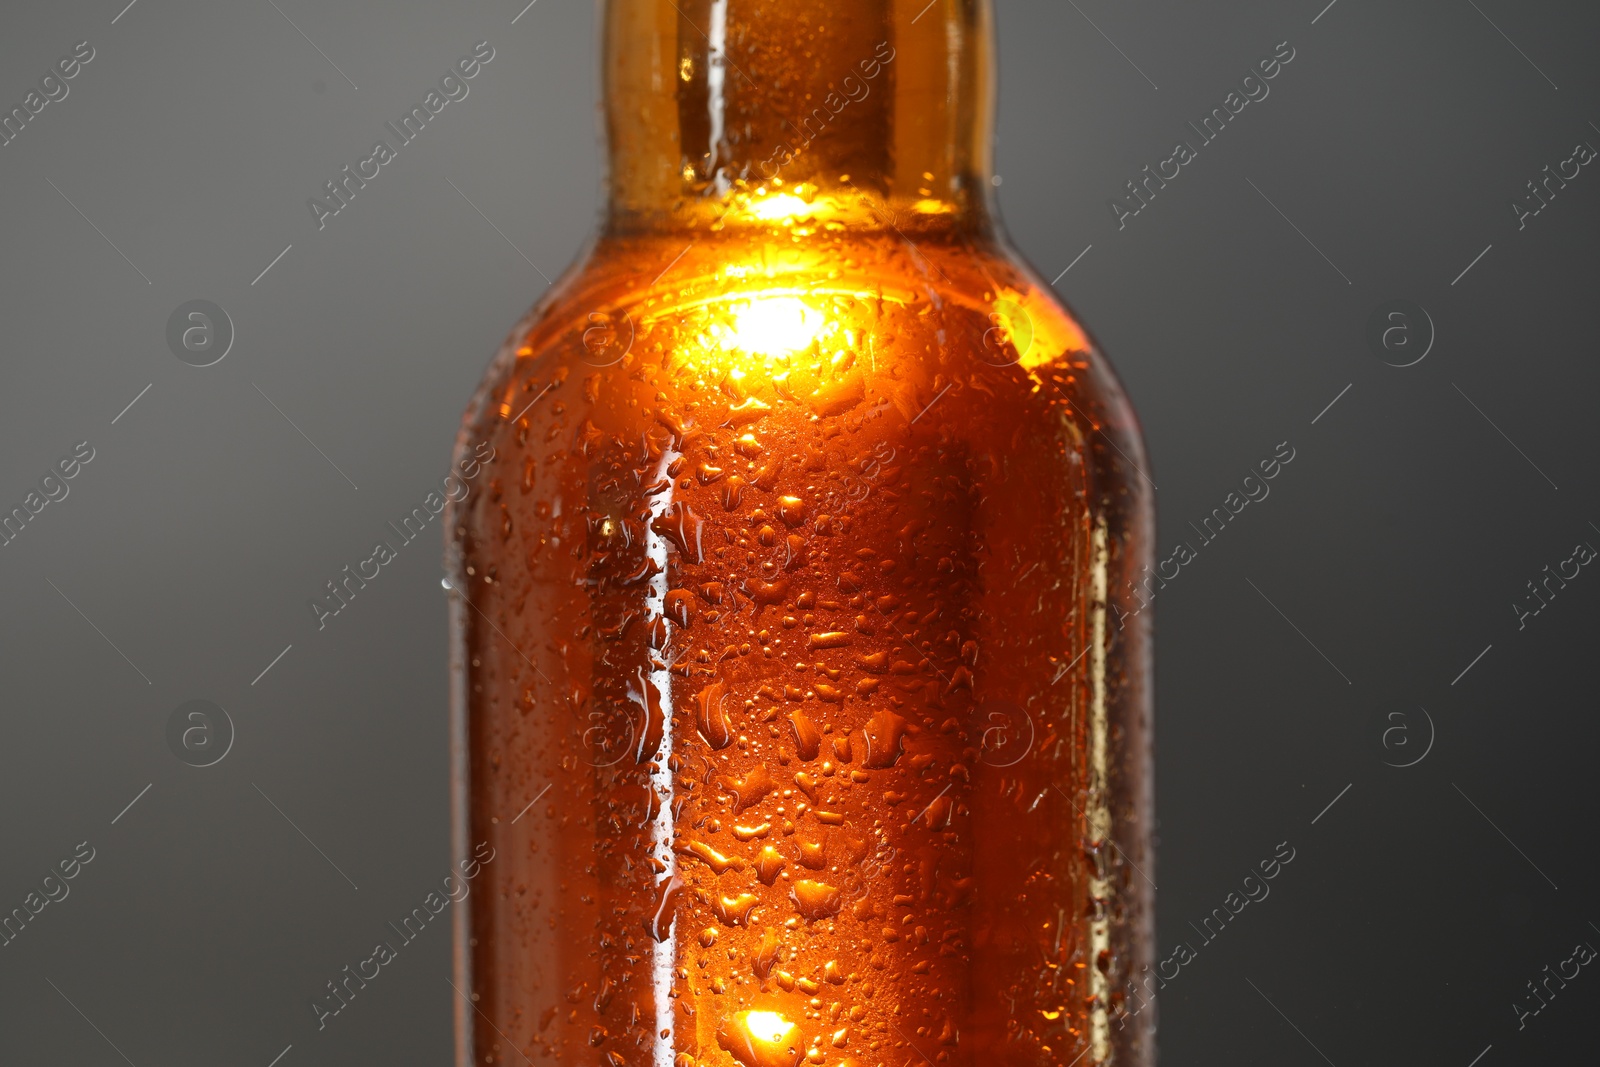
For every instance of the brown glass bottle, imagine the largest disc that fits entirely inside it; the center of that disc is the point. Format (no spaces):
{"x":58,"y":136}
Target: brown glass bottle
{"x":801,"y":686}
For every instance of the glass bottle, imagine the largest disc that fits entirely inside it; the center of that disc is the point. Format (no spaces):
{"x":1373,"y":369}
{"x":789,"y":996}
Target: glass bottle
{"x":801,"y":689}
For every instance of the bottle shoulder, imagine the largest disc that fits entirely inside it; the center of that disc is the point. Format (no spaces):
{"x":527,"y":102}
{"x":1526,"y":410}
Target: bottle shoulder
{"x":707,"y":331}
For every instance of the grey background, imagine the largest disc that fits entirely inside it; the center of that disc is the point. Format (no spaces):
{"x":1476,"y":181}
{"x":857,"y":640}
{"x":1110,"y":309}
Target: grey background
{"x":1396,"y":541}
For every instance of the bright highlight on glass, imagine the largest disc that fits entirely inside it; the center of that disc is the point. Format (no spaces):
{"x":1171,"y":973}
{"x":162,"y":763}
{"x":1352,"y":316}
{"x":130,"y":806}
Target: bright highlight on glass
{"x":781,"y":206}
{"x":772,"y":326}
{"x":768,"y":1026}
{"x":760,"y":1039}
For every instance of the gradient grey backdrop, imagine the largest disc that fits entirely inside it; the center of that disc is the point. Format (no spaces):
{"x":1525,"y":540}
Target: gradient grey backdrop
{"x":1386,"y":558}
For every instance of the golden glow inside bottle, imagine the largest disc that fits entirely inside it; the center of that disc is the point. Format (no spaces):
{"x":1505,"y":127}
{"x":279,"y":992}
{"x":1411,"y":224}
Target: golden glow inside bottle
{"x":800,"y":682}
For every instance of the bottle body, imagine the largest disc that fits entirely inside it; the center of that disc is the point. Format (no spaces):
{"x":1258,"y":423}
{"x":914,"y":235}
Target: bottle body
{"x":796,"y":606}
{"x":801,"y":686}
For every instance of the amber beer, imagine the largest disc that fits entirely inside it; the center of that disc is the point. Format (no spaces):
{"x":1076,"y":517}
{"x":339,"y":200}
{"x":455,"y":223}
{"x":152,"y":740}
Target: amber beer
{"x":799,"y":685}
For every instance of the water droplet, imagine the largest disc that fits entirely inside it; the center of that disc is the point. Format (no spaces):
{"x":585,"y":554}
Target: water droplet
{"x":937,"y":815}
{"x":767,"y":477}
{"x":769,"y":864}
{"x":648,"y":697}
{"x":732,"y":492}
{"x":814,"y":900}
{"x":838,"y":396}
{"x":876,"y":662}
{"x":807,"y":738}
{"x":766,"y":955}
{"x":681,"y":527}
{"x":679,"y":607}
{"x":747,"y":410}
{"x":771,"y":592}
{"x":659,"y":924}
{"x":735,"y":911}
{"x":884,"y":732}
{"x":711,"y":719}
{"x":712,"y":858}
{"x":831,"y":639}
{"x":602,"y":996}
{"x":749,"y":789}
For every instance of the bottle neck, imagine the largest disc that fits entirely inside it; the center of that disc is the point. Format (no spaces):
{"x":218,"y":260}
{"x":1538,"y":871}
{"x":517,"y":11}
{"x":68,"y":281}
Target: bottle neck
{"x":755,"y":113}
